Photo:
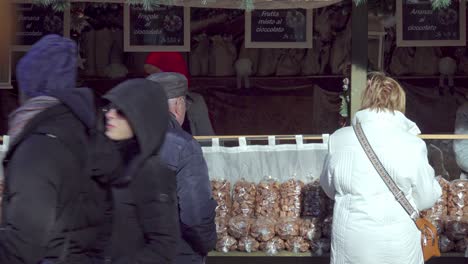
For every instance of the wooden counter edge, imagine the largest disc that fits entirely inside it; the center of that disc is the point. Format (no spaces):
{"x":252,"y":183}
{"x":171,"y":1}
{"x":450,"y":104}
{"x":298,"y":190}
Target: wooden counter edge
{"x":317,"y":137}
{"x":291,"y":254}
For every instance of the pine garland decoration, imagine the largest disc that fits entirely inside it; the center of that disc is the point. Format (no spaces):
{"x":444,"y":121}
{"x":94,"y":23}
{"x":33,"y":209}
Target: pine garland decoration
{"x":439,"y":4}
{"x":436,"y":4}
{"x":58,"y":5}
{"x":149,"y":4}
{"x":247,"y":4}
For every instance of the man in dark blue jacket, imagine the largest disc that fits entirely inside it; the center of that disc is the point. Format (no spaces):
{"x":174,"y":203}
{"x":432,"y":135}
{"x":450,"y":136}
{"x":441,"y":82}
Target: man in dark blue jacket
{"x":182,"y":153}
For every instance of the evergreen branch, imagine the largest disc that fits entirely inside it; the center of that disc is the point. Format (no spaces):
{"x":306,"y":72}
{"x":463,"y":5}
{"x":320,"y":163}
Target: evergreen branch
{"x":60,"y":5}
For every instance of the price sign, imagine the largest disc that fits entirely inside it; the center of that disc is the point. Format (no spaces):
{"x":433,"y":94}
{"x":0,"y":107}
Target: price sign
{"x":279,"y":28}
{"x":418,"y":24}
{"x":33,"y":21}
{"x":164,"y":28}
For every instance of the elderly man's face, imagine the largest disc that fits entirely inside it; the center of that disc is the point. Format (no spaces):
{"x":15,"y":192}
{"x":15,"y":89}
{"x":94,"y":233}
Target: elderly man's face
{"x":181,"y":109}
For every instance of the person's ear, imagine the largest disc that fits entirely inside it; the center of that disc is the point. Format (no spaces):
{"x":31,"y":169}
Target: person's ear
{"x":180,"y":104}
{"x":150,"y":69}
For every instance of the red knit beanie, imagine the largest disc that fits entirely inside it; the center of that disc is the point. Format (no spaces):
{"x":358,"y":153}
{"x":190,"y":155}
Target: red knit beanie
{"x":168,"y":62}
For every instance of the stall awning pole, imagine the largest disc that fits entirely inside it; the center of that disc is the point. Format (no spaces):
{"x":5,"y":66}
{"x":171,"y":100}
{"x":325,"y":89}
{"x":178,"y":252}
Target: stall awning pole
{"x":358,"y":55}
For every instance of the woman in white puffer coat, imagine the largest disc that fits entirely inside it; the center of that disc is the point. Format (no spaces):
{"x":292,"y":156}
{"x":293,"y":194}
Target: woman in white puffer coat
{"x":369,"y":225}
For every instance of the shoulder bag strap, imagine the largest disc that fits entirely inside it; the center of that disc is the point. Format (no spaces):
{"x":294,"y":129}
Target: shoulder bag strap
{"x":399,"y":195}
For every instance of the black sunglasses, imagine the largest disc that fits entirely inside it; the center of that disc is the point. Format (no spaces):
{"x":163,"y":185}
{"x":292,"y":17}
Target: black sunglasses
{"x":111,"y":106}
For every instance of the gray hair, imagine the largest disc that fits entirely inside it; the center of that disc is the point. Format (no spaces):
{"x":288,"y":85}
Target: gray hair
{"x":172,"y":101}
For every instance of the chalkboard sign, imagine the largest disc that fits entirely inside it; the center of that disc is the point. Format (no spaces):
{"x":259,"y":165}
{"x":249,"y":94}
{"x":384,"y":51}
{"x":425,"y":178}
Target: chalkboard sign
{"x":279,"y":28}
{"x":164,"y":28}
{"x":418,"y":24}
{"x":34,"y":21}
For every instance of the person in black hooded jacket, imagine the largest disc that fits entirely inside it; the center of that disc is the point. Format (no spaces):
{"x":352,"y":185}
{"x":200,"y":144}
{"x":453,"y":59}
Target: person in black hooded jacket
{"x":52,"y":208}
{"x":145,"y":213}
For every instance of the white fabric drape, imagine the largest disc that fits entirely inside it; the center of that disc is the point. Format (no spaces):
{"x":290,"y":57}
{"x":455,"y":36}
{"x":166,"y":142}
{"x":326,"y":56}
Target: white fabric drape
{"x":302,"y":161}
{"x":3,"y":150}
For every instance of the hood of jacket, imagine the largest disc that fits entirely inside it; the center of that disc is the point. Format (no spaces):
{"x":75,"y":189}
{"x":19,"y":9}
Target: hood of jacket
{"x":49,"y":65}
{"x":49,"y":69}
{"x":144,"y":104}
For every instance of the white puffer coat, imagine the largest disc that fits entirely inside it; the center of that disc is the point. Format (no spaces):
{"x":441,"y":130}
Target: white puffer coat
{"x":369,"y":225}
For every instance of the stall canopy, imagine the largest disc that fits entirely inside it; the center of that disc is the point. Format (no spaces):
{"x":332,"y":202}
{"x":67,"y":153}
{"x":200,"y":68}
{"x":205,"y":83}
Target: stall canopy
{"x":257,"y":4}
{"x":244,"y":4}
{"x":241,"y":4}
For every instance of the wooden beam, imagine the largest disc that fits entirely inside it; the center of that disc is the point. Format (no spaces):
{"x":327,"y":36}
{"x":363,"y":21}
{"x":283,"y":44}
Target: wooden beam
{"x":358,"y":55}
{"x":312,"y":137}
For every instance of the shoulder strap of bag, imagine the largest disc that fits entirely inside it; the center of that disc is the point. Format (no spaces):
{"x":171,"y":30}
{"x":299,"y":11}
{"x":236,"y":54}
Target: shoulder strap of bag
{"x":399,"y":195}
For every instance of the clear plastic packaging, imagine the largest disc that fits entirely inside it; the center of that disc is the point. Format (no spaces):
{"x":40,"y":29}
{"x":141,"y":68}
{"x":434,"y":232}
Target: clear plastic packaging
{"x":263,"y":229}
{"x":320,"y":247}
{"x":273,"y":246}
{"x":297,"y":245}
{"x":248,"y":244}
{"x":310,"y":229}
{"x":327,"y":227}
{"x":466,"y":250}
{"x":461,"y":245}
{"x":239,"y":226}
{"x":287,"y":228}
{"x":314,"y":202}
{"x":226,"y":244}
{"x":439,"y":223}
{"x":221,"y":190}
{"x":458,"y":198}
{"x":267,"y":200}
{"x":445,"y":244}
{"x":456,"y":228}
{"x":243,"y":200}
{"x":291,"y":198}
{"x":221,"y":226}
{"x":440,"y":207}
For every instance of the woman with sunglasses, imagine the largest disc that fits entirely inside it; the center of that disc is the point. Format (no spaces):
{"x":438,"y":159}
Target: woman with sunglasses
{"x":145,"y":225}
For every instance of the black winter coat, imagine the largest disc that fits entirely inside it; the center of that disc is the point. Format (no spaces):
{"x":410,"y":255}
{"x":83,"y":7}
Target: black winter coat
{"x":145,"y":214}
{"x":49,"y":195}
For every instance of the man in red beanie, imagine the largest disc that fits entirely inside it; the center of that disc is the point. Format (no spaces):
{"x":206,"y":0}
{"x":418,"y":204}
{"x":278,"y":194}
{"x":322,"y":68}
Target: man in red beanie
{"x":197,"y":122}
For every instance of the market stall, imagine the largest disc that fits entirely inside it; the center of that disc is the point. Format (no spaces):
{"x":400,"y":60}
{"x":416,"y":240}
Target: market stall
{"x":233,"y":76}
{"x":270,"y":206}
{"x":270,"y":202}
